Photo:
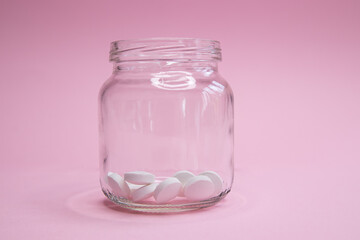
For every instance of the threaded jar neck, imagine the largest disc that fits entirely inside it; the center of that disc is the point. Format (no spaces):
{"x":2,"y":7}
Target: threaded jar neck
{"x":165,"y":49}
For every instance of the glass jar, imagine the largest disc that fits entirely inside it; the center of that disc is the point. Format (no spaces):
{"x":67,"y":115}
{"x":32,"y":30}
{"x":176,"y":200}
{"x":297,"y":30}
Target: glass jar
{"x":166,"y":125}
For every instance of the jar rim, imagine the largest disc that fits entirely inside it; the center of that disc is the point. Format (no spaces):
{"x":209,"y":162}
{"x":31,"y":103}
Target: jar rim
{"x":164,"y":39}
{"x":165,"y":48}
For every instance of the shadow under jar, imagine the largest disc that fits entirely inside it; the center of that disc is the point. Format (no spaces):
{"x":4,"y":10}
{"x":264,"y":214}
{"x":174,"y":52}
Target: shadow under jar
{"x":166,"y":125}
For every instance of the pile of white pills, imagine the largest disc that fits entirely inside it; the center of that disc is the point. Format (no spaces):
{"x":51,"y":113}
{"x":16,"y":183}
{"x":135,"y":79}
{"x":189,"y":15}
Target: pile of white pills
{"x":140,"y":185}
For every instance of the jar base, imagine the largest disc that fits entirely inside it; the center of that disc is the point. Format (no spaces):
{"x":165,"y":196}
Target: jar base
{"x":164,"y":208}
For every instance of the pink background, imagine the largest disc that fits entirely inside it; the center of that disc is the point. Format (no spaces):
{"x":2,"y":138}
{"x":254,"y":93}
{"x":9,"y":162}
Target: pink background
{"x":294,"y":67}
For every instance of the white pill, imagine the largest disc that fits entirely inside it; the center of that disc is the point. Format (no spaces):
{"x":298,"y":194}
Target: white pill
{"x":134,"y":187}
{"x":119,"y":187}
{"x":144,"y":192}
{"x":183,"y":177}
{"x":139,"y":177}
{"x":199,"y":188}
{"x":167,"y":190}
{"x":216,"y":179}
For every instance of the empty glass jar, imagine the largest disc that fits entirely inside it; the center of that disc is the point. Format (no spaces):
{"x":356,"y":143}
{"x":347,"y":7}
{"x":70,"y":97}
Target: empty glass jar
{"x":166,"y":125}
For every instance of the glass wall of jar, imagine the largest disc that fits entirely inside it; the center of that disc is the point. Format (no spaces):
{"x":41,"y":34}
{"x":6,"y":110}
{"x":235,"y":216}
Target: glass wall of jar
{"x":166,"y":125}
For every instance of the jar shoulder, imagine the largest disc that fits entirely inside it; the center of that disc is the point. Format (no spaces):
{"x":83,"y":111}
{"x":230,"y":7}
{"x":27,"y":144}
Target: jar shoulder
{"x":165,"y":81}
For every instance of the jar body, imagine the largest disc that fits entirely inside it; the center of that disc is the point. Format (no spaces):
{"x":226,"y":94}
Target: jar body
{"x":162,"y":120}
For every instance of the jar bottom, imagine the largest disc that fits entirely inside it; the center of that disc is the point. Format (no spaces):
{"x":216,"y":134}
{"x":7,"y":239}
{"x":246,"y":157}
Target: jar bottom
{"x":164,"y":208}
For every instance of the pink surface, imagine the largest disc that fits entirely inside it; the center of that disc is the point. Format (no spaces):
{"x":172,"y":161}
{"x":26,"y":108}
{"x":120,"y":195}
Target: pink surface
{"x":294,"y":68}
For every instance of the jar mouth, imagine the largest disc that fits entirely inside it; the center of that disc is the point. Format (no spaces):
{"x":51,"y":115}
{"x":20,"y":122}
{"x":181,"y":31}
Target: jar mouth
{"x":165,"y":49}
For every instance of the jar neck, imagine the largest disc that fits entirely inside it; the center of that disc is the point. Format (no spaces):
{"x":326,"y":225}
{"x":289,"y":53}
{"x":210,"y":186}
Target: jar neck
{"x":165,"y":54}
{"x":165,"y":65}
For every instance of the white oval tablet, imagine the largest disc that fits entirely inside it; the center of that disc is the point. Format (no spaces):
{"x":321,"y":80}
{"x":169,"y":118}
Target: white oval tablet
{"x":139,"y":177}
{"x":183,"y":177}
{"x":199,"y":188}
{"x":216,"y":179}
{"x":134,"y":187}
{"x":144,"y":192}
{"x":119,"y":187}
{"x":167,"y":190}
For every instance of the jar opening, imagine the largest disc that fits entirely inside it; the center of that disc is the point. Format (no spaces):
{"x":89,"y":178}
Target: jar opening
{"x":165,"y":49}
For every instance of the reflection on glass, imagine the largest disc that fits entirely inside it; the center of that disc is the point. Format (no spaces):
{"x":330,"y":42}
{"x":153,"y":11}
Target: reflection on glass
{"x":173,"y":80}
